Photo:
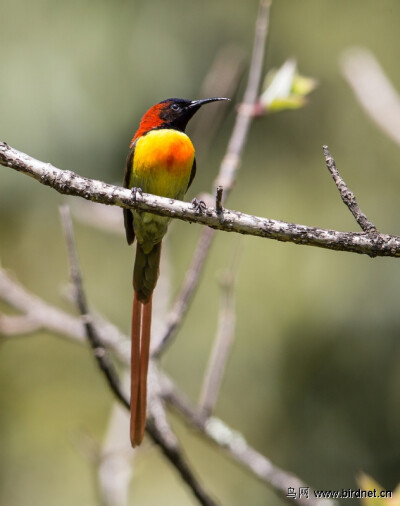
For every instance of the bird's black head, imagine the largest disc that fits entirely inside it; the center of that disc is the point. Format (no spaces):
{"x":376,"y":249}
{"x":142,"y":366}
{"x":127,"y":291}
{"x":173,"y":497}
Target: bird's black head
{"x":176,"y":112}
{"x":171,"y":113}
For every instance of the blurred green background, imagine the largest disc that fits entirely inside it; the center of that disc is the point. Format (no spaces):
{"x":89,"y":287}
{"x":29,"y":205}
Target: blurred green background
{"x":314,"y":379}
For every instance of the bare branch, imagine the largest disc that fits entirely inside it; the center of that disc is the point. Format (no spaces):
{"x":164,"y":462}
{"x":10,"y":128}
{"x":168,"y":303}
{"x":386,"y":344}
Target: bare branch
{"x":348,"y":196}
{"x":373,"y":90}
{"x":36,"y":311}
{"x":181,"y":303}
{"x":232,"y":221}
{"x":222,"y":344}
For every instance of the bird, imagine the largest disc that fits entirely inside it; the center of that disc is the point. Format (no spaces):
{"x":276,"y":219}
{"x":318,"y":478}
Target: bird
{"x":161,"y":161}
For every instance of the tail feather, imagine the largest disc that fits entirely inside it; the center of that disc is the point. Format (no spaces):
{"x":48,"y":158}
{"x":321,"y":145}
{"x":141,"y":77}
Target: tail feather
{"x":145,"y":277}
{"x":140,"y":421}
{"x":135,"y":364}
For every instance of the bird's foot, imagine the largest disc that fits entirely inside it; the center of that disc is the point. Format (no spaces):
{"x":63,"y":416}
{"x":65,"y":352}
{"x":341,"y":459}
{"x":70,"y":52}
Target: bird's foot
{"x":135,"y":191}
{"x":199,"y":205}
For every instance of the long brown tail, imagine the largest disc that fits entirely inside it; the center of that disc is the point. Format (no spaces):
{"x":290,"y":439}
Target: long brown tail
{"x":144,"y":281}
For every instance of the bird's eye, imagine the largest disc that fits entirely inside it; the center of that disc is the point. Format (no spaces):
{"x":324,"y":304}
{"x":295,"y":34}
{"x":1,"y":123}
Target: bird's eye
{"x":175,"y":107}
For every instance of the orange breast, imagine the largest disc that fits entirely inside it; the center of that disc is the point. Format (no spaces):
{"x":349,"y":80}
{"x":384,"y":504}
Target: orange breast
{"x":163,"y":162}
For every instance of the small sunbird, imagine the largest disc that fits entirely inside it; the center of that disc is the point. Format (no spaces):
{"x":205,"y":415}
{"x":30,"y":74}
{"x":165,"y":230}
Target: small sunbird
{"x":161,"y":161}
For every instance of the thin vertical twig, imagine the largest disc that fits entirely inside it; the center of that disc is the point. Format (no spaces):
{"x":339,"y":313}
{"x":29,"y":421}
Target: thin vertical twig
{"x":348,"y":197}
{"x":231,"y":162}
{"x":218,"y":199}
{"x":226,"y":177}
{"x":222,"y":344}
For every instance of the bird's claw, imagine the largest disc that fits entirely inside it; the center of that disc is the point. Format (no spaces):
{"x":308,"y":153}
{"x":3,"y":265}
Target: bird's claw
{"x":135,"y":191}
{"x":199,"y":205}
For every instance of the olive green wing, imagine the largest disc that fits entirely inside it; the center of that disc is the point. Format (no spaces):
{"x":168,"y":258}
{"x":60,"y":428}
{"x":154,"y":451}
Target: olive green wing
{"x":192,"y":174}
{"x":128,"y":218}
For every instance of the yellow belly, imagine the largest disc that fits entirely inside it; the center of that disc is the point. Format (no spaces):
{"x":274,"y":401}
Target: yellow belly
{"x":162,"y":164}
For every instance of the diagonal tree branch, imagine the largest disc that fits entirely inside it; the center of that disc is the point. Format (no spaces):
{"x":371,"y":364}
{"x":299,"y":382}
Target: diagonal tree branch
{"x":102,"y":357}
{"x":185,"y":296}
{"x":52,"y":319}
{"x":69,"y":183}
{"x":225,"y":179}
{"x":35,"y":311}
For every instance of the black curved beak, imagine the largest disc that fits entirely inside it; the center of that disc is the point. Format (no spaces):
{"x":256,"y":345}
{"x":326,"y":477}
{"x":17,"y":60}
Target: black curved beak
{"x":195,"y":104}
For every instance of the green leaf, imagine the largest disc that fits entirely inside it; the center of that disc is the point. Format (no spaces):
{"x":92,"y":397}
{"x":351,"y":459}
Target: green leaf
{"x":303,"y":85}
{"x":291,"y":102}
{"x":285,"y":88}
{"x":278,"y":83}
